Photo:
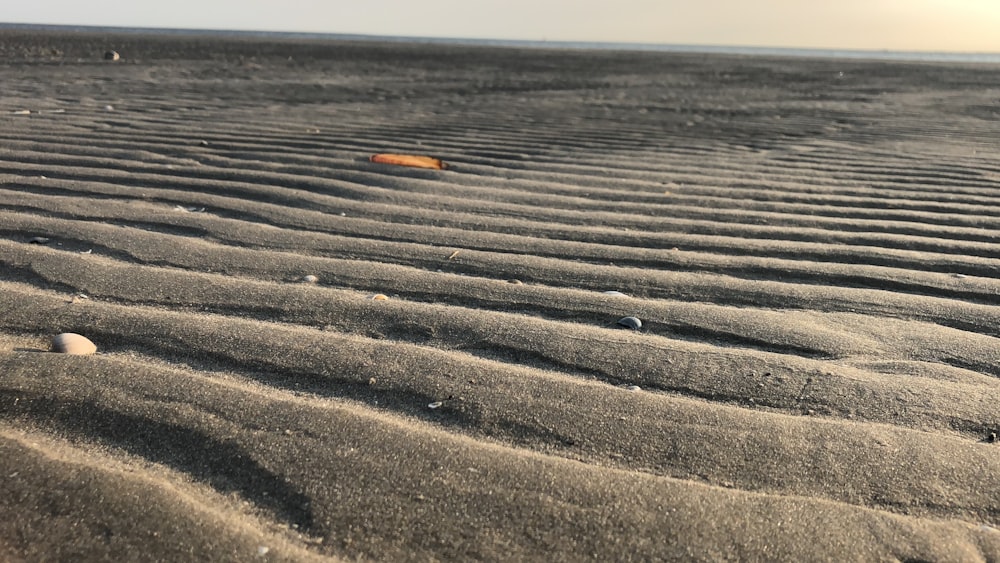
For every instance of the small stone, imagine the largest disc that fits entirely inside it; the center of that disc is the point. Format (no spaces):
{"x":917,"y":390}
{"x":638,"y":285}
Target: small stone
{"x":72,"y":343}
{"x":111,"y":56}
{"x":262,"y":550}
{"x":378,"y":297}
{"x":630,"y":322}
{"x":38,"y":240}
{"x":992,"y":438}
{"x":633,"y":388}
{"x":435,"y":405}
{"x":310,"y":279}
{"x":109,"y":107}
{"x":515,"y":281}
{"x":615,"y":293}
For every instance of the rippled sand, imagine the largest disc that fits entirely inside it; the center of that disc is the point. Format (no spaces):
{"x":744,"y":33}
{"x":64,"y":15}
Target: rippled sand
{"x":813,"y":248}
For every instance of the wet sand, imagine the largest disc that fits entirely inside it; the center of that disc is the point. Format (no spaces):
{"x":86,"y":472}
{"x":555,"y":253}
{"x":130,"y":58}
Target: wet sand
{"x":812,"y":247}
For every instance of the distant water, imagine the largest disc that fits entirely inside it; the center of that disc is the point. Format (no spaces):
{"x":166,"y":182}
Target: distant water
{"x":656,"y":47}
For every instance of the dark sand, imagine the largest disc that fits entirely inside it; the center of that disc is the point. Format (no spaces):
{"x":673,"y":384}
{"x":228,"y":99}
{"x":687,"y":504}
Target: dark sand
{"x":813,"y":248}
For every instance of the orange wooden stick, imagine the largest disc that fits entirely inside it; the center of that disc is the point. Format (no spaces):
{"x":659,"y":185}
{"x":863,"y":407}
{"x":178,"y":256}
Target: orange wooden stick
{"x":409,"y":160}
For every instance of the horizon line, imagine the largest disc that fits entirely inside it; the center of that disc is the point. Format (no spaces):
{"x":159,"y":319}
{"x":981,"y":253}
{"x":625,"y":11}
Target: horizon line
{"x":955,"y":56}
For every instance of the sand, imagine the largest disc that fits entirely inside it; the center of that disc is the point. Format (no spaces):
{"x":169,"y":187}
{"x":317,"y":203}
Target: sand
{"x":812,"y":247}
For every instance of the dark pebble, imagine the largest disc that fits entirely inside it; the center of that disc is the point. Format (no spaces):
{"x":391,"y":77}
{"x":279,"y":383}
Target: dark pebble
{"x":630,"y":322}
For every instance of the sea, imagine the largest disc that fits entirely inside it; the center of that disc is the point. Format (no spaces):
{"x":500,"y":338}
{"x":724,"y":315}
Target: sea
{"x":926,"y":56}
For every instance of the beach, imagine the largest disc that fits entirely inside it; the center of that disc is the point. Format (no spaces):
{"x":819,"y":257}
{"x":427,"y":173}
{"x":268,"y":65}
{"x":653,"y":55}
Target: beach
{"x":304,"y":355}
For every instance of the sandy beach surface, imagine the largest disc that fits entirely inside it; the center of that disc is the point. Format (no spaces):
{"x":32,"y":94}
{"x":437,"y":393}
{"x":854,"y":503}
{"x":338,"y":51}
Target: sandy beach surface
{"x":812,"y":248}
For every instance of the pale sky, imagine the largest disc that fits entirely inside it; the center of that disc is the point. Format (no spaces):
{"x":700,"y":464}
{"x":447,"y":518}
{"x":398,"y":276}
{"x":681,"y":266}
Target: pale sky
{"x":911,"y":25}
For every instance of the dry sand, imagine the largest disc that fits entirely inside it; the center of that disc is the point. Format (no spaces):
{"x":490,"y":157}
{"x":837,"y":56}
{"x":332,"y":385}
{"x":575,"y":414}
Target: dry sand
{"x":813,"y":248}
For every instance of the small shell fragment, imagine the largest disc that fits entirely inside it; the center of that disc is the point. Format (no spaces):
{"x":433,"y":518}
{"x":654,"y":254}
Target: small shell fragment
{"x":630,"y":322}
{"x":615,"y":293}
{"x":435,"y":405}
{"x":310,"y":279}
{"x":378,"y":297}
{"x":72,"y":343}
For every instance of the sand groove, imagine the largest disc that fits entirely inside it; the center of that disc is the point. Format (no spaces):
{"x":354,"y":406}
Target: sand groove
{"x":813,"y":248}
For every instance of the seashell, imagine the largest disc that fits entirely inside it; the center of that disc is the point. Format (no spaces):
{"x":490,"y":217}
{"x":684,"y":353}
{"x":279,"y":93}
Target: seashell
{"x":378,"y":297}
{"x":111,"y":56}
{"x":409,"y":160}
{"x":72,"y":343}
{"x":310,"y":279}
{"x":630,"y":322}
{"x":435,"y":405}
{"x":615,"y":293}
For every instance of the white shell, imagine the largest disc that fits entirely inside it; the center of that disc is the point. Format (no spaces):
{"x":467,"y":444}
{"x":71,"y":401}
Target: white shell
{"x":72,"y":343}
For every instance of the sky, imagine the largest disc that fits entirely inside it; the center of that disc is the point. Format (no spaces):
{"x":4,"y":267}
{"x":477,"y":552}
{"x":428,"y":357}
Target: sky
{"x":899,"y":25}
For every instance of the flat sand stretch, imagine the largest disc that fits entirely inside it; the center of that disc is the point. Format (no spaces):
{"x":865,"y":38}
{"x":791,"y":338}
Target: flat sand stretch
{"x":812,"y":247}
